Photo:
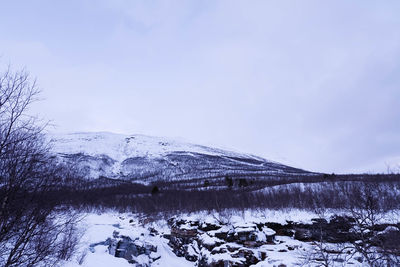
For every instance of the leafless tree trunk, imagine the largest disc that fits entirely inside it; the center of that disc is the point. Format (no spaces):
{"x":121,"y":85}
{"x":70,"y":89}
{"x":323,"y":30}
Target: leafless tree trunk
{"x":367,"y":212}
{"x":369,"y":245}
{"x":30,"y":233}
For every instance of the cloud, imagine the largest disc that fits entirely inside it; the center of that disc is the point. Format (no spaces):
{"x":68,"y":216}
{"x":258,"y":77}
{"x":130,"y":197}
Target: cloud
{"x":308,"y":83}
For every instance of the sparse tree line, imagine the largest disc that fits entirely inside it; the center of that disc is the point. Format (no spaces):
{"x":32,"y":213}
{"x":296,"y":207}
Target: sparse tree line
{"x":241,"y":180}
{"x":149,"y":199}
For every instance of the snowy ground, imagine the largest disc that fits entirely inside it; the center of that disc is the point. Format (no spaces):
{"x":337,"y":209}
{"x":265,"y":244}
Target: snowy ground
{"x":98,"y":227}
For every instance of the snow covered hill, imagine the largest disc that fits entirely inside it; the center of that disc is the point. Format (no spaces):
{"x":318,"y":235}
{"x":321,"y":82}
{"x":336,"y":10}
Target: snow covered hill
{"x":147,"y":159}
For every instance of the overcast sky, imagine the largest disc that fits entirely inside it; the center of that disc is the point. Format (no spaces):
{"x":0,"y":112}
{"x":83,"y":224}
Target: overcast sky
{"x":313,"y":84}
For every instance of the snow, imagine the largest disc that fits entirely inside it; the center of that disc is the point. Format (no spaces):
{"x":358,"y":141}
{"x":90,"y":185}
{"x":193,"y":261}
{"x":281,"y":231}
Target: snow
{"x":101,"y":259}
{"x":241,"y":218}
{"x":210,"y":241}
{"x":290,"y":258}
{"x":224,"y":256}
{"x":168,"y":258}
{"x":99,"y":227}
{"x":116,"y":155}
{"x":187,"y":227}
{"x":223,"y":229}
{"x":285,"y":250}
{"x":120,"y":147}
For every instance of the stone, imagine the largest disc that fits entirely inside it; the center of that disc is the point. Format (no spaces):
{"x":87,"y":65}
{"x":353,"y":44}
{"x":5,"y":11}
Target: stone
{"x":206,"y":227}
{"x":248,"y":255}
{"x":281,"y":230}
{"x":302,"y":234}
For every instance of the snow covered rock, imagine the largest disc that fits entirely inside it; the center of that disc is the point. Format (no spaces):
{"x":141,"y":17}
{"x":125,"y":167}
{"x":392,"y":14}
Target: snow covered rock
{"x":137,"y":252}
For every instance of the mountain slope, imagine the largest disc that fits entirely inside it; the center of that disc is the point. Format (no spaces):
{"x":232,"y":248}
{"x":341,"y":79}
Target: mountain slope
{"x":147,"y":159}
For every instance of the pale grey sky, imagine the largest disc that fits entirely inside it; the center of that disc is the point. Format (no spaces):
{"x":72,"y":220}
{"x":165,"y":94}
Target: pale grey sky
{"x":313,"y":84}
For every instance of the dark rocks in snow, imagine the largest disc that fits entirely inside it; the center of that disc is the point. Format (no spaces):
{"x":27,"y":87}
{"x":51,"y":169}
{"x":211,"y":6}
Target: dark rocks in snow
{"x":216,"y":244}
{"x":183,"y":239}
{"x":247,"y":254}
{"x":336,"y":230}
{"x":186,"y":234}
{"x":244,"y":244}
{"x":209,"y":227}
{"x":281,"y":229}
{"x":129,"y":249}
{"x":203,"y":242}
{"x":389,"y":238}
{"x":303,"y":234}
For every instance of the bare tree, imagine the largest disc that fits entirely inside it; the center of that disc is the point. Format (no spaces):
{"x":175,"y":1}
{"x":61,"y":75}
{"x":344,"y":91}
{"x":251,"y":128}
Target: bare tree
{"x":372,"y":243}
{"x":375,"y":247}
{"x":30,"y":231}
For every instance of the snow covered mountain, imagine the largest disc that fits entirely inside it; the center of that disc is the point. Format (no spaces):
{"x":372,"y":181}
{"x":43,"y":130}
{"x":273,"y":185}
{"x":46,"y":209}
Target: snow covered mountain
{"x":147,"y":159}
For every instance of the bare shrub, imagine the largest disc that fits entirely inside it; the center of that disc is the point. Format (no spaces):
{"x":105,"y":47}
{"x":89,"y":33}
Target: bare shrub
{"x":29,"y":232}
{"x":371,"y":243}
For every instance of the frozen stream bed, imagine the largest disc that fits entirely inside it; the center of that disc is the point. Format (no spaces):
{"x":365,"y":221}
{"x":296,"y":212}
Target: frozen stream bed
{"x":267,"y":238}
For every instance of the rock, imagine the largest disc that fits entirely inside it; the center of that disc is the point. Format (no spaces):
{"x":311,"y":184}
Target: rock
{"x":125,"y":247}
{"x":128,"y":249}
{"x":209,"y":242}
{"x":222,"y":235}
{"x":269,"y":234}
{"x":281,"y":230}
{"x":115,"y":234}
{"x":180,"y":237}
{"x":219,"y":250}
{"x":242,"y":237}
{"x":108,"y":243}
{"x":338,"y":230}
{"x":388,"y":238}
{"x":206,"y":227}
{"x":252,"y":244}
{"x":153,"y":232}
{"x":221,"y":260}
{"x":221,"y":263}
{"x":191,"y":251}
{"x":184,"y":233}
{"x":319,"y":221}
{"x":262,"y":255}
{"x":391,"y":229}
{"x":232,"y":248}
{"x":291,"y":247}
{"x":245,"y":232}
{"x":302,"y":234}
{"x":225,"y":233}
{"x":248,"y":255}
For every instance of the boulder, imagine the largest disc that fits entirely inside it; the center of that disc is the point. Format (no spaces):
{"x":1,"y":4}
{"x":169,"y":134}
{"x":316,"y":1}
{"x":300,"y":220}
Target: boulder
{"x":129,"y":249}
{"x":281,"y":229}
{"x":206,"y":227}
{"x":303,"y":234}
{"x":248,"y":254}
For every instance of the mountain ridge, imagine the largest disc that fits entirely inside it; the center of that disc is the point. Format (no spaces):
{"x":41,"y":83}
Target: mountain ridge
{"x":143,"y":158}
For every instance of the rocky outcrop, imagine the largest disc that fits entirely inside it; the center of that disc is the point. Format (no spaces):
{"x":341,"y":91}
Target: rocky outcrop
{"x":244,"y":244}
{"x":214,"y":244}
{"x":137,"y":252}
{"x":218,"y":244}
